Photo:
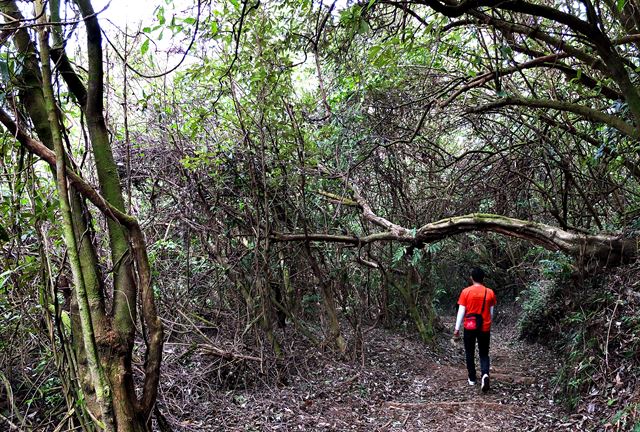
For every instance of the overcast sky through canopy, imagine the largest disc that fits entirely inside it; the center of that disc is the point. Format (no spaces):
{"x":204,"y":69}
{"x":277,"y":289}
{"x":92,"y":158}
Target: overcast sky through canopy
{"x":121,"y":12}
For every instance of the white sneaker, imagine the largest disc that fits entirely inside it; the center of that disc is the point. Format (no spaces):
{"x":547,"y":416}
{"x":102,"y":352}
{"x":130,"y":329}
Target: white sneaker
{"x":485,"y":383}
{"x":471,"y":382}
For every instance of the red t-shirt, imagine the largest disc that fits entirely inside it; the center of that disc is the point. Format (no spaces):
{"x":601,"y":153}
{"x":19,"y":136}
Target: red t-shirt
{"x":471,"y":298}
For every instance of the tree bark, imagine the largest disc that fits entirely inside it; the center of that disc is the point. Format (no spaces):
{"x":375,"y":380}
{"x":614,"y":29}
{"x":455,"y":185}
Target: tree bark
{"x":335,"y":338}
{"x":594,"y":250}
{"x":128,"y":251}
{"x":98,"y":378}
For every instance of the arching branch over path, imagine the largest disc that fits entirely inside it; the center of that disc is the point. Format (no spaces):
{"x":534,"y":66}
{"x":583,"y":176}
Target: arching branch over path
{"x":593,"y":250}
{"x":599,"y":250}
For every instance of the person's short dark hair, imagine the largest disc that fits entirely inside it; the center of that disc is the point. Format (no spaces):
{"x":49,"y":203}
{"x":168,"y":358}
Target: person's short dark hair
{"x":477,"y":274}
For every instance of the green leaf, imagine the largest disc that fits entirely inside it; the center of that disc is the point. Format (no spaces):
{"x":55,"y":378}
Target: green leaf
{"x":506,"y":51}
{"x":373,"y":52}
{"x":434,"y":247}
{"x":235,"y":4}
{"x":66,"y":320}
{"x":190,"y":21}
{"x":383,"y":59}
{"x":620,"y":4}
{"x":363,"y":27}
{"x":399,"y":253}
{"x":416,"y":257}
{"x":160,"y":15}
{"x":145,"y":47}
{"x":64,"y":317}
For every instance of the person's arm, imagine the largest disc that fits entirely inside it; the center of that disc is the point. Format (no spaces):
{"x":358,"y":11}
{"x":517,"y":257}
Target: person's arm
{"x":461,"y":311}
{"x":493,"y":304}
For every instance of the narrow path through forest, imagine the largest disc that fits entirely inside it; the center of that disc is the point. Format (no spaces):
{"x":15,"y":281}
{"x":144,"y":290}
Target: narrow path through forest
{"x":520,"y":398}
{"x":399,"y":384}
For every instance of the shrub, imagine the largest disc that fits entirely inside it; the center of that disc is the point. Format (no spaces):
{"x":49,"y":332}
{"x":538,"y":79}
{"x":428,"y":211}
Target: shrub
{"x":542,"y":301}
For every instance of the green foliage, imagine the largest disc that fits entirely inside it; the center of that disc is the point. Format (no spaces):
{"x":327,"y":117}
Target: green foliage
{"x":144,"y":47}
{"x":620,"y":5}
{"x":576,"y":375}
{"x":310,"y":303}
{"x":599,"y":337}
{"x":541,"y":301}
{"x":399,"y":253}
{"x":558,"y":267}
{"x":354,"y":20}
{"x":627,"y":418}
{"x":48,"y":392}
{"x":538,"y":303}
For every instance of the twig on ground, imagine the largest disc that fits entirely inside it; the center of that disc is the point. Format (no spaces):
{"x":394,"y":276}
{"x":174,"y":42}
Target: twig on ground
{"x":227,"y":355}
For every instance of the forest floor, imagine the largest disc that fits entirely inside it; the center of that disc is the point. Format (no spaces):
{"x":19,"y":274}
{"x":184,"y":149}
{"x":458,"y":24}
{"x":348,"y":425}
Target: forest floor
{"x":399,"y":384}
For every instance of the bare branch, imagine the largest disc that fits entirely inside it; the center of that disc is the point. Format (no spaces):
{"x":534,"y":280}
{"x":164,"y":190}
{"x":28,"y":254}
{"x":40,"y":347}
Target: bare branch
{"x":586,"y":112}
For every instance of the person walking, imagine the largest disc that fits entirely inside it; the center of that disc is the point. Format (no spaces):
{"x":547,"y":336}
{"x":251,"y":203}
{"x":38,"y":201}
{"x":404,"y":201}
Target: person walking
{"x":475,"y":312}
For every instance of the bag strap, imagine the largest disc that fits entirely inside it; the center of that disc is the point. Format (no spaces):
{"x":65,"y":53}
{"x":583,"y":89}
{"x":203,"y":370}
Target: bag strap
{"x":483,"y":300}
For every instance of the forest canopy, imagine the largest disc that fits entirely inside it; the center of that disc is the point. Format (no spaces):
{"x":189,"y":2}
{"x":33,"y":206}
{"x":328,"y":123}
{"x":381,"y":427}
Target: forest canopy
{"x":238,"y":168}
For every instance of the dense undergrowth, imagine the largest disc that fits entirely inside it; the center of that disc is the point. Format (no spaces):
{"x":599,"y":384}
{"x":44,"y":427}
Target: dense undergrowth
{"x":594,"y":325}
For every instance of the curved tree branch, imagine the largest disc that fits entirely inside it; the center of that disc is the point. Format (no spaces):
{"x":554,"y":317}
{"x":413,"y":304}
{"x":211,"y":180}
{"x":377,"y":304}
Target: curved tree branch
{"x":613,"y":61}
{"x":593,"y":250}
{"x":586,"y":112}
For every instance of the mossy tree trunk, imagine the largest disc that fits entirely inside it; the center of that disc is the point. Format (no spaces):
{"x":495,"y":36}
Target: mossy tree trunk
{"x":103,"y":340}
{"x":87,"y":333}
{"x":409,"y":288}
{"x":592,"y":251}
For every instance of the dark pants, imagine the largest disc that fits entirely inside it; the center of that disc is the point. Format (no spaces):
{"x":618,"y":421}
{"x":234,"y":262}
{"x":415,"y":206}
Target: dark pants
{"x":483,"y":338}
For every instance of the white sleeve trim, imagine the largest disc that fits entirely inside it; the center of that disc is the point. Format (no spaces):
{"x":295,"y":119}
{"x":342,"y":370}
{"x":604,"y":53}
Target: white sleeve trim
{"x":461,"y":311}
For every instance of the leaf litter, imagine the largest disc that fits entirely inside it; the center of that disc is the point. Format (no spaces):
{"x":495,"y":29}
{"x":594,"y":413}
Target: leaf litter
{"x":397,"y":384}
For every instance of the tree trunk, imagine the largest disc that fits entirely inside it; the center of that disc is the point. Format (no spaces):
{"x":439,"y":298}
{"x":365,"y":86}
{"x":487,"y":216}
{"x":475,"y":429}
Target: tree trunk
{"x":103,"y":342}
{"x":409,"y":288}
{"x":98,"y":378}
{"x":334,"y":339}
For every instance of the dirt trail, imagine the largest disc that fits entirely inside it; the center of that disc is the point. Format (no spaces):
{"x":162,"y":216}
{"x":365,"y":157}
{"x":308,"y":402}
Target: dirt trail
{"x":398,"y":385}
{"x":520,"y":398}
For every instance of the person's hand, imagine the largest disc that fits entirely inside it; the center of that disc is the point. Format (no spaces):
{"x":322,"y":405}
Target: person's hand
{"x":456,"y":334}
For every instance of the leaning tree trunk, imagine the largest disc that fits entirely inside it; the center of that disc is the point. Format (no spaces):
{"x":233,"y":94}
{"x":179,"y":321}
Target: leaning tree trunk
{"x":591,"y":251}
